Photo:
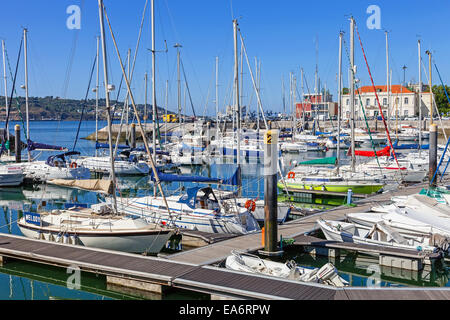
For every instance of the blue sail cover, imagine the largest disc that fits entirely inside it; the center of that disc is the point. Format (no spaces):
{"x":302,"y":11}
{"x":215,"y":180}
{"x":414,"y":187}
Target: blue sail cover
{"x":142,"y":148}
{"x":408,"y":146}
{"x":41,"y":146}
{"x":189,"y":197}
{"x":99,"y":145}
{"x":234,"y":180}
{"x":51,"y":160}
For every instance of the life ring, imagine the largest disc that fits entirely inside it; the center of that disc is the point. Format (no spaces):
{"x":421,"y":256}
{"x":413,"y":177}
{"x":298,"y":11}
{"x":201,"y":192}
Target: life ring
{"x":291,"y":175}
{"x":73,"y":165}
{"x":250,"y":205}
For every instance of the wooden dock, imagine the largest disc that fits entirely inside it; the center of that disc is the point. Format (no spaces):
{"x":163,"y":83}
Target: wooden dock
{"x":156,"y":274}
{"x":252,"y":242}
{"x":190,"y":270}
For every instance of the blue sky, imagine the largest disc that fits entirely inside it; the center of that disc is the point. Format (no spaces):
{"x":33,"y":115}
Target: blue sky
{"x":281,"y":34}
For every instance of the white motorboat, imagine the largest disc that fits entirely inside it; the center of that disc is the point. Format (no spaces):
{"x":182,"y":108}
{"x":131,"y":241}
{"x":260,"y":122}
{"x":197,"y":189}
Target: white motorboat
{"x":407,"y":224}
{"x":379,"y":234}
{"x":95,"y":227}
{"x":246,"y":262}
{"x":197,"y":209}
{"x":11,"y":176}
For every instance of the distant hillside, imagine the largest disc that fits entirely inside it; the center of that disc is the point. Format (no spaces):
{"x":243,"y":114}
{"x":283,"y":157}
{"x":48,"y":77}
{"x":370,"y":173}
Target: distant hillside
{"x":55,"y":108}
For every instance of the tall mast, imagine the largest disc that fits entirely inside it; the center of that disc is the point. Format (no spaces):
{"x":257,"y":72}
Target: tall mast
{"x":420,"y":98}
{"x":303,"y":102}
{"x":178,"y":46}
{"x":257,"y":88}
{"x":96,"y":94}
{"x":108,"y":107}
{"x":294,"y":98}
{"x":401,"y":96}
{"x":6,"y":91}
{"x":282,"y":95}
{"x":26,"y":88}
{"x":155,"y":114}
{"x":238,"y":111}
{"x":217,"y":98}
{"x":387,"y":83}
{"x":165,"y":111}
{"x":241,"y":101}
{"x":291,"y":99}
{"x":145,"y":97}
{"x":431,"y":89}
{"x":341,"y":34}
{"x":352,"y":90}
{"x":127,"y":108}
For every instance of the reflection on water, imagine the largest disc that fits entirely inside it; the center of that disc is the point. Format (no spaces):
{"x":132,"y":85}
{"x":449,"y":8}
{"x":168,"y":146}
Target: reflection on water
{"x":19,"y":280}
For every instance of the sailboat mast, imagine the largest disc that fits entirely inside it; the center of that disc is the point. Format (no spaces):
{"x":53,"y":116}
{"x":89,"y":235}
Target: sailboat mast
{"x":108,"y":107}
{"x":155,"y":114}
{"x":420,"y":98}
{"x":165,"y":111}
{"x":257,"y":88}
{"x":294,"y":111}
{"x":217,"y":98}
{"x":341,"y":34}
{"x":145,"y":97}
{"x":6,"y":91}
{"x":387,"y":83}
{"x":127,"y":110}
{"x":178,"y":46}
{"x":282,"y":96}
{"x":352,"y":90}
{"x":238,"y":111}
{"x":303,"y":103}
{"x":96,"y":94}
{"x":25,"y":47}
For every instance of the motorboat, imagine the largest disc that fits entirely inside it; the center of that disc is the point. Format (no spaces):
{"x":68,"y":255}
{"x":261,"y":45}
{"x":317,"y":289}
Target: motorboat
{"x":246,"y":262}
{"x":11,"y":176}
{"x":378,"y":234}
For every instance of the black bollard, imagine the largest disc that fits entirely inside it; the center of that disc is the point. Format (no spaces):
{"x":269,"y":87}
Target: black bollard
{"x":270,"y":194}
{"x":17,"y":147}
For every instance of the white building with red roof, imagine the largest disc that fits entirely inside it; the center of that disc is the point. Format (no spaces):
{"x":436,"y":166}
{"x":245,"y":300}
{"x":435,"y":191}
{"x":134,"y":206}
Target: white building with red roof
{"x":403,"y":102}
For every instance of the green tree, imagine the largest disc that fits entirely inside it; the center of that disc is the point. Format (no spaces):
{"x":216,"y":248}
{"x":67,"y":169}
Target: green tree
{"x":441,"y":99}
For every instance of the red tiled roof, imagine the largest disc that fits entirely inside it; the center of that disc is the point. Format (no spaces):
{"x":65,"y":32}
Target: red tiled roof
{"x":395,"y":89}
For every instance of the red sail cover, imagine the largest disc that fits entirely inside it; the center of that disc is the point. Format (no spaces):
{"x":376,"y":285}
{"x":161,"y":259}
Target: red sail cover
{"x":380,"y":153}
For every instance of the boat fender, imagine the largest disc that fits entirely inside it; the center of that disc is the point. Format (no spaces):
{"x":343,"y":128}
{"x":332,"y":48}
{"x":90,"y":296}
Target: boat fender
{"x":250,"y":205}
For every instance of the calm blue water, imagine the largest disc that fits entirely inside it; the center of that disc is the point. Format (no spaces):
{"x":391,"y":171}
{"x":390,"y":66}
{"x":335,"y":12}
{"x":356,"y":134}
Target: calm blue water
{"x":27,"y":281}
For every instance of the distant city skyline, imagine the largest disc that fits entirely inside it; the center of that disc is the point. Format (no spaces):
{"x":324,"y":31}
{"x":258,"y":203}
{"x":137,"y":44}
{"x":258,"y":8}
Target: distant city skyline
{"x":283,"y":36}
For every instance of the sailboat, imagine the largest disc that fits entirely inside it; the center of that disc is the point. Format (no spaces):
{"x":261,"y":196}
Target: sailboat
{"x":100,"y":225}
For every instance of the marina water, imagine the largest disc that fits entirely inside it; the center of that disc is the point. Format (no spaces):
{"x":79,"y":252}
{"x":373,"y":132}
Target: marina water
{"x":26,"y":281}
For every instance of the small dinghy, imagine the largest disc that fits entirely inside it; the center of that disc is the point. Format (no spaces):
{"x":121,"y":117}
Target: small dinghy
{"x":242,"y":261}
{"x":379,"y":234}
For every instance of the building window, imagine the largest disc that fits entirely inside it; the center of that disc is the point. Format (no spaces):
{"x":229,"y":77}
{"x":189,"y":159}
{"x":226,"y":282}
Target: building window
{"x":406,"y":112}
{"x":348,"y":114}
{"x":347,"y":102}
{"x":384,"y":101}
{"x":396,"y":100}
{"x":406,"y":100}
{"x":367,"y":102}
